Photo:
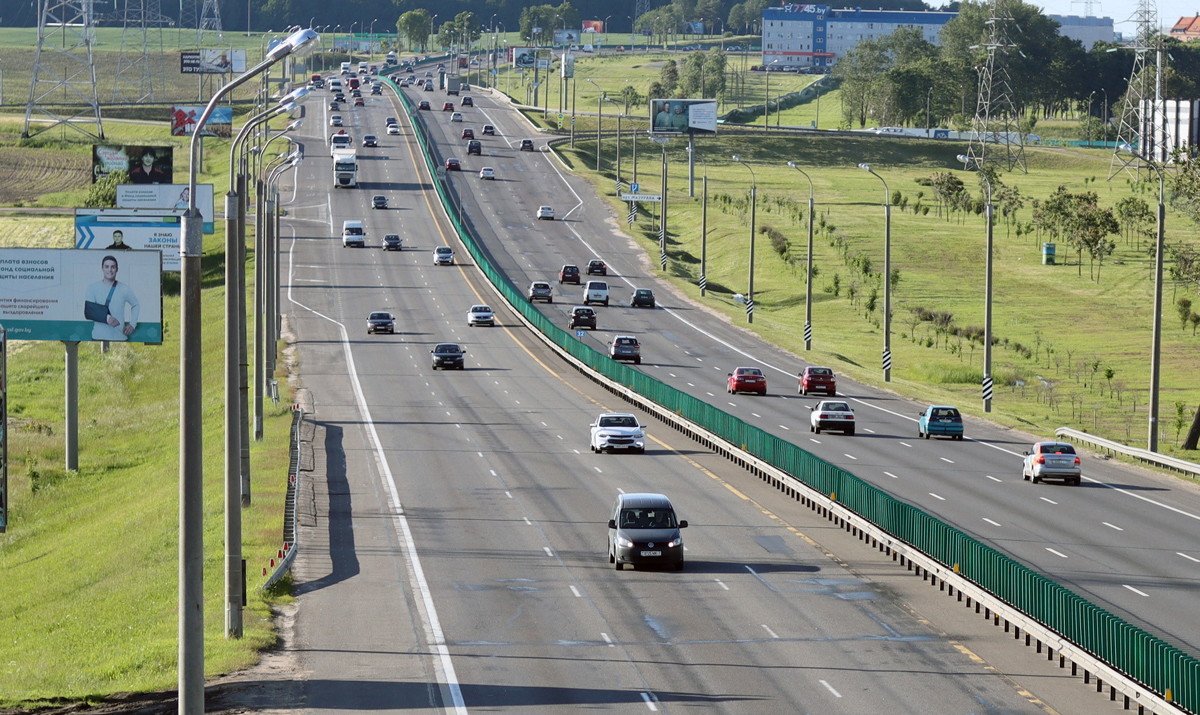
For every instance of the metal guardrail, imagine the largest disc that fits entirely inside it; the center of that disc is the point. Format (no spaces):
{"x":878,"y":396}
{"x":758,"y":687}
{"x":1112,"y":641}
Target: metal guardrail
{"x":291,"y":511}
{"x":1145,"y":455}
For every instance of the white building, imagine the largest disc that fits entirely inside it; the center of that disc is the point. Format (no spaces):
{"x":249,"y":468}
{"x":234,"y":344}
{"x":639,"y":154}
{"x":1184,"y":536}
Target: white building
{"x":798,"y":36}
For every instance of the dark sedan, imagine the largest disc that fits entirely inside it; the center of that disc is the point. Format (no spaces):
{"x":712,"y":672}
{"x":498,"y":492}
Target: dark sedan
{"x":448,"y":356}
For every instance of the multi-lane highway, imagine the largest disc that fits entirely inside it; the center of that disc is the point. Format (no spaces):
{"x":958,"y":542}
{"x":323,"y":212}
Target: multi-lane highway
{"x":461,"y":516}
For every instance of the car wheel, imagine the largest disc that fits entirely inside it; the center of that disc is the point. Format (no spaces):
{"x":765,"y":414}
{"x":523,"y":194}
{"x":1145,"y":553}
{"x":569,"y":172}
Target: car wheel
{"x":637,"y":361}
{"x":611,"y":559}
{"x":549,"y":300}
{"x":618,"y":565}
{"x":606,"y":302}
{"x":1024,"y":475}
{"x":1076,"y":481}
{"x":850,"y":432}
{"x":679,"y":566}
{"x":816,"y":429}
{"x":1036,"y":479}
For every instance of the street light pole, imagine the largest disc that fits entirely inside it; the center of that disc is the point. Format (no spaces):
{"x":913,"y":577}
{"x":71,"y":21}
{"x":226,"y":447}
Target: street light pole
{"x":704,"y":230}
{"x":809,"y":274}
{"x":987,"y":283}
{"x":599,"y":119}
{"x":662,"y":214}
{"x":753,"y":210}
{"x":191,"y":415}
{"x":887,"y":274}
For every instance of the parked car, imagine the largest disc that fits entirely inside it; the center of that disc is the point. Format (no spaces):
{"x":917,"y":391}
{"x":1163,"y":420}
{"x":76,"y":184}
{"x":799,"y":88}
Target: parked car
{"x":746,"y":379}
{"x":581,"y":317}
{"x":642,"y":298}
{"x":597,"y":267}
{"x":545,"y":213}
{"x":381,"y":321}
{"x":568,"y":274}
{"x":614,"y":431}
{"x":643,"y":530}
{"x":527,"y":145}
{"x":379,"y":201}
{"x":1052,"y":460}
{"x":443,"y":256}
{"x":370,"y":140}
{"x":480,"y":315}
{"x":487,"y":172}
{"x":453,"y":164}
{"x":817,"y":379}
{"x":393,"y":242}
{"x":834,"y":415}
{"x":940,"y":420}
{"x":541,"y":290}
{"x":448,"y":356}
{"x":625,"y":347}
{"x":489,"y":130}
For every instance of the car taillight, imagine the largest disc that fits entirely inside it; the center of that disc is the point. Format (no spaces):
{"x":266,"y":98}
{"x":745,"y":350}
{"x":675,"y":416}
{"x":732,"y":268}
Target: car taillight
{"x":1041,"y":459}
{"x":1077,"y":461}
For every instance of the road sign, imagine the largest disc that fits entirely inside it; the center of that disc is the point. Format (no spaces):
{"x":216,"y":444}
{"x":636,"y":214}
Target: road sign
{"x":635,"y":187}
{"x":579,"y":334}
{"x":651,"y":198}
{"x":561,"y":116}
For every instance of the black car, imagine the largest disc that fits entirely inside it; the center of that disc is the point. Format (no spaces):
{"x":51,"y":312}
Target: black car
{"x":389,"y":121}
{"x":448,"y":355}
{"x":582,"y":317}
{"x":393,"y":242}
{"x":597,"y":267}
{"x":377,"y":90}
{"x":381,"y":322}
{"x":643,"y":530}
{"x":474,"y":147}
{"x":526,"y":145}
{"x":379,"y":201}
{"x":370,"y":140}
{"x":335,"y":106}
{"x":642,"y":298}
{"x":568,"y":274}
{"x":467,"y":102}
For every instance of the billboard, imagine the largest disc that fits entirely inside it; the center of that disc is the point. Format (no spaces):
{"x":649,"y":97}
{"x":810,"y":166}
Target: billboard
{"x":566,"y":37}
{"x":219,"y":124}
{"x":684,"y":116}
{"x":125,"y":229}
{"x":212,"y":62}
{"x":145,"y":164}
{"x":67,"y":294}
{"x":168,"y":196}
{"x":693,"y":28}
{"x":593,"y":26}
{"x":3,"y":430}
{"x":567,"y":67}
{"x":523,"y":57}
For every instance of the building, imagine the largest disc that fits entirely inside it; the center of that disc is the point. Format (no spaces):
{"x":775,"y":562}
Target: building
{"x":801,"y":36}
{"x":1188,"y":28}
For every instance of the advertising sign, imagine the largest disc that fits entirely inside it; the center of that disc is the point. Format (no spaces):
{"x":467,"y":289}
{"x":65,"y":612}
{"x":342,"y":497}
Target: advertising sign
{"x":212,"y":62}
{"x":693,"y":28}
{"x":593,"y":26}
{"x":145,"y":164}
{"x":219,"y":124}
{"x":3,"y":430}
{"x":567,"y":68}
{"x":125,"y":229}
{"x":522,"y":57}
{"x":566,"y":37}
{"x":684,"y":116}
{"x":167,"y":196}
{"x":66,"y":294}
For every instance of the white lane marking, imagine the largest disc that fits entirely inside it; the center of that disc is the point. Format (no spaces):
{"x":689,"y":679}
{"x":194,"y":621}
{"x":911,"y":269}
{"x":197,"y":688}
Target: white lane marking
{"x":905,"y":444}
{"x":598,"y":470}
{"x":649,"y":702}
{"x":1112,"y":526}
{"x":768,"y":630}
{"x":829,"y":687}
{"x":607,"y":640}
{"x":493,"y":472}
{"x":431,"y":622}
{"x":527,"y":521}
{"x":550,"y":161}
{"x":937,"y":496}
{"x":893,"y":476}
{"x":785,"y":427}
{"x":994,"y":479}
{"x":993,"y":523}
{"x":1140,"y":593}
{"x":576,"y":592}
{"x":1049,"y":500}
{"x":508,"y":494}
{"x":947,"y":461}
{"x":1056,"y":553}
{"x":850,"y":456}
{"x":755,"y":414}
{"x":722,"y":583}
{"x":1189,"y":558}
{"x":548,"y":551}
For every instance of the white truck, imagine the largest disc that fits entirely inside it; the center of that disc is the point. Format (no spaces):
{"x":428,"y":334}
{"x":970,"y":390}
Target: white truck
{"x":451,"y":83}
{"x":340,"y":141}
{"x":346,"y":68}
{"x":345,"y":169}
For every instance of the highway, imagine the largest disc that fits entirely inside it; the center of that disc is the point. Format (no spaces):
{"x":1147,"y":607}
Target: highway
{"x":460,"y":518}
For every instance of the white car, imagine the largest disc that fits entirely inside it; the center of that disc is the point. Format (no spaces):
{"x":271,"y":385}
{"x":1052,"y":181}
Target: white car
{"x":335,"y":120}
{"x":487,"y":172}
{"x":835,"y":415}
{"x":545,"y":212}
{"x":456,"y":117}
{"x":393,"y":129}
{"x":614,"y":431}
{"x":480,"y":315}
{"x":443,"y":256}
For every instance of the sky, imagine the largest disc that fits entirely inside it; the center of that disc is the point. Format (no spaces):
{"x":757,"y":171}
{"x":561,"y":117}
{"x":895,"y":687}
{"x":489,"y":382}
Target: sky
{"x":1122,"y":12}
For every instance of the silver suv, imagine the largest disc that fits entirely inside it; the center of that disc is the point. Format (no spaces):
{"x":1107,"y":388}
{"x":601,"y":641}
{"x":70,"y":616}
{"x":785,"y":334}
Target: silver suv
{"x":540,"y":290}
{"x":625,"y":347}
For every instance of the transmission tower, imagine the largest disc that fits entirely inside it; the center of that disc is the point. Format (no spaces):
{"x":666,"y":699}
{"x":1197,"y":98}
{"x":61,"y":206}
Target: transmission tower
{"x":640,"y":7}
{"x":63,"y":88}
{"x":188,"y":19}
{"x":995,"y":136}
{"x":210,"y":17}
{"x":136,"y":68}
{"x":1143,"y":99}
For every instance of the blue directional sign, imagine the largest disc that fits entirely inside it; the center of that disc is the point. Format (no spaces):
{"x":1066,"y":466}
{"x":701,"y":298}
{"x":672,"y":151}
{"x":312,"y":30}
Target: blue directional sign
{"x":633,"y":187}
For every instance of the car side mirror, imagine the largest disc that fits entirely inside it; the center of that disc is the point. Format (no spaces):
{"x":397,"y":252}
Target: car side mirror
{"x":729,"y":374}
{"x":683,"y":524}
{"x":612,"y":523}
{"x":594,"y":424}
{"x":1025,"y":453}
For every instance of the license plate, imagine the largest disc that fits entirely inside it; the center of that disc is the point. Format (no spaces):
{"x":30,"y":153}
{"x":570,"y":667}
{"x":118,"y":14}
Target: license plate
{"x":651,"y":553}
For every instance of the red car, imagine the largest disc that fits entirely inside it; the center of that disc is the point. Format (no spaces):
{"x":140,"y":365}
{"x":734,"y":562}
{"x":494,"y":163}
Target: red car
{"x":448,"y":107}
{"x":817,"y":379}
{"x":453,"y":165}
{"x":468,"y":134}
{"x":746,"y":379}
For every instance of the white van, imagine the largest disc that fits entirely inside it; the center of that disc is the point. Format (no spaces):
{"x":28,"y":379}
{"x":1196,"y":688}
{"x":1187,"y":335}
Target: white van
{"x":335,"y":85}
{"x":595,"y":292}
{"x":364,"y":68}
{"x":346,"y":68}
{"x":353,"y":234}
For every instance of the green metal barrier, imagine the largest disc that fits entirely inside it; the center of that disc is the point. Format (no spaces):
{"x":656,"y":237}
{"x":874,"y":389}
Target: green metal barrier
{"x":1141,"y":656}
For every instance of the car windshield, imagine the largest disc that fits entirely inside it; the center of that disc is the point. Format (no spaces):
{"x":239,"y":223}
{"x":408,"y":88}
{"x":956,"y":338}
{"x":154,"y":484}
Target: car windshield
{"x":381,"y":316}
{"x":835,"y":407}
{"x":945,"y":413}
{"x":627,"y":341}
{"x":480,"y":309}
{"x":643,"y":293}
{"x":446,"y":348}
{"x":647,"y":519}
{"x":1051,"y":447}
{"x":443,"y":250}
{"x":618,"y":421}
{"x":820,"y":371}
{"x":750,"y":372}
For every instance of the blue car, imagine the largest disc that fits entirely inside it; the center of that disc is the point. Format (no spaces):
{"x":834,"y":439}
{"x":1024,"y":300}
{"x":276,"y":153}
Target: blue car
{"x":940,"y":420}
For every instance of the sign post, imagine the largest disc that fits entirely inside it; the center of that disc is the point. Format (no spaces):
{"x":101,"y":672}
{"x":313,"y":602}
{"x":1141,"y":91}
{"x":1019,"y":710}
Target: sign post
{"x":3,"y":430}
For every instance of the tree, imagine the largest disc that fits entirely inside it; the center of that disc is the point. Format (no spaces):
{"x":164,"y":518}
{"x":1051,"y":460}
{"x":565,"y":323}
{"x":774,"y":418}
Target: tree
{"x":103,"y":193}
{"x":414,"y":26}
{"x":668,"y":78}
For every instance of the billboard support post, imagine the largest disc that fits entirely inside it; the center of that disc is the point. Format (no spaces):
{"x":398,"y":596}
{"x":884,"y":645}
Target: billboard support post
{"x":71,"y":428}
{"x":691,"y":166}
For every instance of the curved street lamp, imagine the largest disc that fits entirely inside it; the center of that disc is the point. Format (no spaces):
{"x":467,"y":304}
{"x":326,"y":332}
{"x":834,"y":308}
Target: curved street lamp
{"x":753,"y":210}
{"x":887,"y":274}
{"x":809,"y":274}
{"x":973,"y":162}
{"x":432,"y":20}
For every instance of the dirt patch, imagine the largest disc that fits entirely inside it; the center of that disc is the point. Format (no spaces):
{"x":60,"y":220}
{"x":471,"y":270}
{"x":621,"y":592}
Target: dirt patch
{"x":30,"y":173}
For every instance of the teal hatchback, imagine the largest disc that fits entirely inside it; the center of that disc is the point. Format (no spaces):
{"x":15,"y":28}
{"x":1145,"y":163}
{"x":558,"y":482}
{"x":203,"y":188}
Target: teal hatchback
{"x":940,"y":420}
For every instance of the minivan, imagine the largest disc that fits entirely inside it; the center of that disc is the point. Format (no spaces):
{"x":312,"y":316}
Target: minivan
{"x":644,"y":531}
{"x":353,"y":234}
{"x":595,"y":292}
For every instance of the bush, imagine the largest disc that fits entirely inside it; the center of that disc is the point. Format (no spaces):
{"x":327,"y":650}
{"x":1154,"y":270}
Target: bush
{"x":103,"y":194}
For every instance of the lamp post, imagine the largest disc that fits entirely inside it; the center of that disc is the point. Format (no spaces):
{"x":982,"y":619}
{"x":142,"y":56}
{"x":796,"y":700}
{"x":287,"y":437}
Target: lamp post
{"x":432,"y":20}
{"x":1156,"y":330}
{"x":753,"y":210}
{"x":662,"y":214}
{"x":599,"y":118}
{"x":703,"y":226}
{"x":606,"y":19}
{"x":887,"y":274}
{"x":371,"y":41}
{"x":619,"y":137}
{"x":973,"y":162}
{"x":809,"y":273}
{"x":191,"y":415}
{"x":767,"y":94}
{"x":928,"y":121}
{"x":350,"y":41}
